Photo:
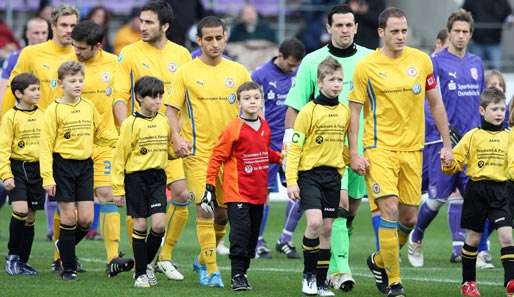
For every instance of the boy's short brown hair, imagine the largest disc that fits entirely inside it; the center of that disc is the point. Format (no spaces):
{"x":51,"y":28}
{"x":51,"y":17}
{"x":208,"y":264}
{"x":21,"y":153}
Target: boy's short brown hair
{"x":69,"y":68}
{"x":491,"y":95}
{"x":247,"y":86}
{"x":22,"y":81}
{"x":327,"y":67}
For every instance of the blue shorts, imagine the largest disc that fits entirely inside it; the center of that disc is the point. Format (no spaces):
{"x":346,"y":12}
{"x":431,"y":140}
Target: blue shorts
{"x":273,"y":171}
{"x":427,"y":151}
{"x":441,"y":185}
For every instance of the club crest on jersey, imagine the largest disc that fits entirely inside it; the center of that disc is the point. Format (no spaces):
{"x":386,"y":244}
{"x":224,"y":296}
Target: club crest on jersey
{"x":108,"y":91}
{"x":143,"y":151}
{"x":375,"y":188}
{"x":106,"y":77}
{"x":474,"y":73}
{"x":229,"y":82}
{"x":232,"y":98}
{"x":319,"y":139}
{"x":416,"y":89}
{"x":21,"y":144}
{"x":172,"y":67}
{"x":411,"y":71}
{"x":248,"y":168}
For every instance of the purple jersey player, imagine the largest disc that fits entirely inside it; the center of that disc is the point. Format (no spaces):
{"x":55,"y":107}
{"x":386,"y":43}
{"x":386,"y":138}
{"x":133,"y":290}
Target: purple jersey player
{"x":276,"y":77}
{"x":461,"y":79}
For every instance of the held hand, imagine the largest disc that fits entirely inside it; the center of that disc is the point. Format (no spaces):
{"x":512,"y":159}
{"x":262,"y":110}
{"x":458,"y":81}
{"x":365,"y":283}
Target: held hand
{"x":181,"y":146}
{"x":118,"y":200}
{"x":359,"y":164}
{"x":50,"y":190}
{"x":284,"y":157}
{"x":293,"y":192}
{"x":446,"y":156}
{"x":9,"y":184}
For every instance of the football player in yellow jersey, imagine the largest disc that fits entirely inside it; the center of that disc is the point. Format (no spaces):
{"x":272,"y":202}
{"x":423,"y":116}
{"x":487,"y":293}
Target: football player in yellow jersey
{"x":44,"y":59}
{"x":202,"y":103}
{"x":391,"y":85}
{"x":154,"y":55}
{"x":87,"y":39}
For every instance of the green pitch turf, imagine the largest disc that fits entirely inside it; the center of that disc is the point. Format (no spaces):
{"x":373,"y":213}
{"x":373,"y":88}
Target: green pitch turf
{"x":276,"y":277}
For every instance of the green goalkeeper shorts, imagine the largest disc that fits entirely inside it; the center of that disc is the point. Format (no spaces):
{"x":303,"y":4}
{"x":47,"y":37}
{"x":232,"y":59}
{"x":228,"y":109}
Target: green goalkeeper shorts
{"x":354,"y":184}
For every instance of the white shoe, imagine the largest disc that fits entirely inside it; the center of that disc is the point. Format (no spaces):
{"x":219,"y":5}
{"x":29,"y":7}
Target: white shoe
{"x":482,"y":261}
{"x":341,"y":281}
{"x":309,"y":285}
{"x":222,"y":250}
{"x":325,"y":291}
{"x":142,"y":282}
{"x":170,"y":270}
{"x":150,"y":273}
{"x":415,"y":253}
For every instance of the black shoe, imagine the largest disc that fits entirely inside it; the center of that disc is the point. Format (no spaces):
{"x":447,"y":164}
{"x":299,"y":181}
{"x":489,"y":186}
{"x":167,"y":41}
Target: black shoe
{"x":248,"y":283}
{"x":26,"y":269}
{"x":381,"y":279}
{"x":57,"y":266}
{"x":287,"y":249}
{"x":396,"y":290}
{"x":69,"y":275}
{"x":118,"y":265}
{"x":239,"y":283}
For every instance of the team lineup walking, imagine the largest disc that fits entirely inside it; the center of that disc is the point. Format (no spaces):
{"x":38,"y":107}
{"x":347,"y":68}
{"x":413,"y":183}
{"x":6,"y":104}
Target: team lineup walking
{"x":162,"y":136}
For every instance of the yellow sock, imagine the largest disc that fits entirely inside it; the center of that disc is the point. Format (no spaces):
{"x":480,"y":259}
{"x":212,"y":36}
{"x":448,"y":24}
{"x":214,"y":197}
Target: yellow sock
{"x":57,"y":233}
{"x":176,"y":216}
{"x":389,"y":249}
{"x":130,"y":228}
{"x":207,"y":241}
{"x":403,"y":234}
{"x":220,"y":231}
{"x":110,"y":226}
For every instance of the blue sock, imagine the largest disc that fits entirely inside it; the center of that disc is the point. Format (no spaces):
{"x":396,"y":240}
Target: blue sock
{"x":96,"y":217}
{"x":425,"y":217}
{"x":485,"y":237}
{"x":375,"y":222}
{"x":265,"y":213}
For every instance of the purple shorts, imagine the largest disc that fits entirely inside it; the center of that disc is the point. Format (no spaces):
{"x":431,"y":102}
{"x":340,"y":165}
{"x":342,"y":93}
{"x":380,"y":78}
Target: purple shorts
{"x":441,"y":185}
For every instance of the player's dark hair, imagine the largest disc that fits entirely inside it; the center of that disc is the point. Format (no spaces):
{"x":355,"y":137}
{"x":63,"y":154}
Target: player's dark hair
{"x":22,"y":81}
{"x":88,"y":32}
{"x":460,"y":15}
{"x":442,"y":35}
{"x":292,"y":47}
{"x":247,"y":86}
{"x":390,"y":12}
{"x":340,"y":8}
{"x":148,"y":86}
{"x":210,"y":21}
{"x":69,"y":68}
{"x":162,"y":9}
{"x":327,"y":67}
{"x":491,"y":95}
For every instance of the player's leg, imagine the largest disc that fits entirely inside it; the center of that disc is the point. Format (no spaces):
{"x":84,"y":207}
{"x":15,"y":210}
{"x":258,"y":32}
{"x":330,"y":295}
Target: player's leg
{"x":454,"y":213}
{"x":262,"y":250}
{"x":50,"y":209}
{"x":311,"y":249}
{"x":16,"y":233}
{"x":220,"y":218}
{"x":177,"y":216}
{"x":155,"y":236}
{"x":256,"y":213}
{"x":484,"y":259}
{"x":474,"y":213}
{"x":67,"y":238}
{"x":205,"y":263}
{"x":293,"y":214}
{"x":94,"y":233}
{"x":139,"y":248}
{"x":240,"y":225}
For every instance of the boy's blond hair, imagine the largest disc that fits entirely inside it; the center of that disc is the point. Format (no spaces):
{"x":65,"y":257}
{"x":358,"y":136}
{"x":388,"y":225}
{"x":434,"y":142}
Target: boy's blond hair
{"x":327,"y":67}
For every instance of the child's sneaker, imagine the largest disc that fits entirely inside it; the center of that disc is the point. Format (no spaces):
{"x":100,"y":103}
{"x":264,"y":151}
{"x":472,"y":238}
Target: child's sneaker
{"x":239,"y":283}
{"x":309,"y":285}
{"x":509,"y":289}
{"x":26,"y":269}
{"x":142,"y":281}
{"x":150,"y":273}
{"x":323,"y":290}
{"x":469,"y":289}
{"x":201,"y":269}
{"x":13,"y":265}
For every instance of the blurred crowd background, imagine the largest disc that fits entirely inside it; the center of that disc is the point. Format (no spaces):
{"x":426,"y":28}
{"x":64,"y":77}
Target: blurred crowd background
{"x":257,"y":26}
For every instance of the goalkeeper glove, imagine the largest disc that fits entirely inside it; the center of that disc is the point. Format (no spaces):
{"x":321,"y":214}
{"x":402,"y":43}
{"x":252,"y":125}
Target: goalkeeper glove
{"x":209,"y":199}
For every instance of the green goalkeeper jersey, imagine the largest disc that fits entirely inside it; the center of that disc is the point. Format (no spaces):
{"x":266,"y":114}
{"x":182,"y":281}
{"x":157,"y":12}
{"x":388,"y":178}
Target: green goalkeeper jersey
{"x":305,"y":87}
